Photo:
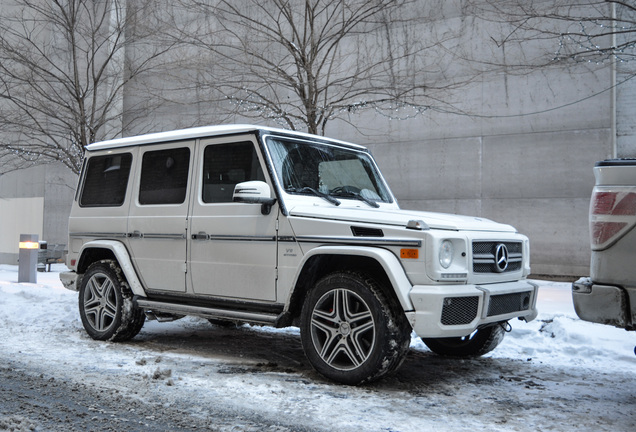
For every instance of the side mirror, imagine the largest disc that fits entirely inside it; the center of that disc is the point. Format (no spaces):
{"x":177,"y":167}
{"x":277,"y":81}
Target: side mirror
{"x":255,"y":192}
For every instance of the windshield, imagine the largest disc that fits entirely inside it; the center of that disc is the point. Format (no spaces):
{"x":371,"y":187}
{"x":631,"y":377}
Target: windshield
{"x":307,"y":168}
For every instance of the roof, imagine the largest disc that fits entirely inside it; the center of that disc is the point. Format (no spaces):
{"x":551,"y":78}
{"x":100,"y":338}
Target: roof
{"x":204,"y":131}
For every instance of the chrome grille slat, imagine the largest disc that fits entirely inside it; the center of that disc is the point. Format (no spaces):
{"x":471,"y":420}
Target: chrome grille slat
{"x":485,"y":261}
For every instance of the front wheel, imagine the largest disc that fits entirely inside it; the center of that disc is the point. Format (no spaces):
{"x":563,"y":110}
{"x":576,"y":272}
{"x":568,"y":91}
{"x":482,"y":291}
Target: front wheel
{"x":476,"y":344}
{"x":105,"y":304}
{"x":351,"y":333}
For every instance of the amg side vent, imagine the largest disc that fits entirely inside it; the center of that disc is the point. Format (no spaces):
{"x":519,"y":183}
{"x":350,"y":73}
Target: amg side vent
{"x":366,"y":232}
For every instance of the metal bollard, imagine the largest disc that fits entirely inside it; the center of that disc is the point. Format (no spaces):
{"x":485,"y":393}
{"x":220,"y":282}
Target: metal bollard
{"x":28,"y":258}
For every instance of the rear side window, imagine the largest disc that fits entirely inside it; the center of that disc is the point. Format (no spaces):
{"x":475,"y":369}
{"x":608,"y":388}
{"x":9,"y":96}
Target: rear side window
{"x":226,"y":165}
{"x":106,"y":181}
{"x":164,"y":176}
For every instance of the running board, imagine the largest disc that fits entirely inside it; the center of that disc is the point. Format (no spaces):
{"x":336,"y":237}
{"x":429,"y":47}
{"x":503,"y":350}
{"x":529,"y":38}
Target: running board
{"x":204,"y":312}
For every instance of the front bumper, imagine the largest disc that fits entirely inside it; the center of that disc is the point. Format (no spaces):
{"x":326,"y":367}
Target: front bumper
{"x":458,"y":310}
{"x":604,"y":304}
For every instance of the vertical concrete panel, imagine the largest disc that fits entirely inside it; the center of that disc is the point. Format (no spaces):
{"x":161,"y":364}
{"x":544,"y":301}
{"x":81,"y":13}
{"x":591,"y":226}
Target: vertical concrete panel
{"x":35,"y":200}
{"x":557,"y":229}
{"x":59,"y":187}
{"x":541,"y":183}
{"x":19,"y":215}
{"x":626,"y":114}
{"x":625,"y":90}
{"x":432,"y":169}
{"x":542,"y":165}
{"x":23,"y":183}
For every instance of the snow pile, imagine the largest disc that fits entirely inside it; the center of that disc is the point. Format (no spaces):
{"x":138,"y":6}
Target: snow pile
{"x":558,"y":336}
{"x":190,"y":363}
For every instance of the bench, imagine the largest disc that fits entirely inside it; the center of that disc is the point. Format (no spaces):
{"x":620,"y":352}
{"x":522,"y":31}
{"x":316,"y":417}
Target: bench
{"x":50,"y":254}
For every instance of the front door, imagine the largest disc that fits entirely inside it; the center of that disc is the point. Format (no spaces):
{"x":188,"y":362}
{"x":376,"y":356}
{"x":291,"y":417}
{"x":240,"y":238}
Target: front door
{"x":158,"y":216}
{"x":232,"y":245}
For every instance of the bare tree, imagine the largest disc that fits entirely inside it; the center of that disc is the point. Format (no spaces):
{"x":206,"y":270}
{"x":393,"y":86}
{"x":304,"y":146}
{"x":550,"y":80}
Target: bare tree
{"x":302,"y":64}
{"x":579,"y":31}
{"x":64,"y":65}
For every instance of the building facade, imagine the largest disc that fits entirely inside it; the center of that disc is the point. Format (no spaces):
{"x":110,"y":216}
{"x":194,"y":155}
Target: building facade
{"x":519,"y":148}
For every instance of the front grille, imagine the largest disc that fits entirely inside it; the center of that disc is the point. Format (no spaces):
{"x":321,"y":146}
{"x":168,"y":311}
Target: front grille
{"x":485,"y":257}
{"x":459,"y":310}
{"x":506,"y":303}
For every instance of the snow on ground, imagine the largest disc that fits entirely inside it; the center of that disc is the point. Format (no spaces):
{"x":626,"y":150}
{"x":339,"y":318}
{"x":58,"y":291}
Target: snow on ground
{"x":555,"y":373}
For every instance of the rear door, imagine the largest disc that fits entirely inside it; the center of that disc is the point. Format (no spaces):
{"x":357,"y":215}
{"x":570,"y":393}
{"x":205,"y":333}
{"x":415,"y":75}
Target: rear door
{"x":158,"y":215}
{"x":232,"y":245}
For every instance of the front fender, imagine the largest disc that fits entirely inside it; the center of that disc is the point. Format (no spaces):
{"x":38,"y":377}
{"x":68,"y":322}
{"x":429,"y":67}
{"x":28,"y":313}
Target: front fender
{"x":123,"y":258}
{"x":389,"y":262}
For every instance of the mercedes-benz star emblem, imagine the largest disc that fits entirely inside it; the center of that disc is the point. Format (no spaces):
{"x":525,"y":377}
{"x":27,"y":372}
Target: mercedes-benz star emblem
{"x":501,"y":258}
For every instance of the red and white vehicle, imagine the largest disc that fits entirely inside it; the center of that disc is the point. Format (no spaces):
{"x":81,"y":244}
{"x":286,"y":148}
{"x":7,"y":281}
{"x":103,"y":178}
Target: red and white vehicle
{"x":608,"y":296}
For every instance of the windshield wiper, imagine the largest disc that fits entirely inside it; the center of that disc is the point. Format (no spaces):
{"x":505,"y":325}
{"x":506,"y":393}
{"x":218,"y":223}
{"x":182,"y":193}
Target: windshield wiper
{"x":313,"y":191}
{"x":358,"y":196}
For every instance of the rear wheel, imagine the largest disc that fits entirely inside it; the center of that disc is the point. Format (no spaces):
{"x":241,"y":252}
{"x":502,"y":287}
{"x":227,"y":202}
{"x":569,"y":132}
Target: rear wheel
{"x":350,"y":331}
{"x":105,"y":304}
{"x":476,"y":344}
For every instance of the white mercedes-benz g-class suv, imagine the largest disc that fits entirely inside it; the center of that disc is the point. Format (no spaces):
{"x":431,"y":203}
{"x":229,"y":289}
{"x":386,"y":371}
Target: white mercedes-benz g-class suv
{"x":272,"y":227}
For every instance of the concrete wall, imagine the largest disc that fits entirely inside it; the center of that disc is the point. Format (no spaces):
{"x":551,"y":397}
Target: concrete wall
{"x":34,"y":201}
{"x":18,"y":216}
{"x":519,"y":149}
{"x":625,"y":112}
{"x":539,"y":182}
{"x":524,"y":159}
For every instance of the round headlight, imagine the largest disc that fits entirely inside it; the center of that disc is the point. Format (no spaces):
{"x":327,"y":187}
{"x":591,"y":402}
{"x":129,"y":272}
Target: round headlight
{"x":446,"y":254}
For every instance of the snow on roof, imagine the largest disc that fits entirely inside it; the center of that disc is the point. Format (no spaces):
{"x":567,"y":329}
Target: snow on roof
{"x":204,"y":131}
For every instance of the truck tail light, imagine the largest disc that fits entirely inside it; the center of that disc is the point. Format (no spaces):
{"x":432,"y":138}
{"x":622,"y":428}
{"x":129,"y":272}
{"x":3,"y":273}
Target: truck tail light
{"x":612,"y":215}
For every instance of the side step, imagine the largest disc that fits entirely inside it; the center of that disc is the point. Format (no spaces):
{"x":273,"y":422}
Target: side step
{"x":205,"y":312}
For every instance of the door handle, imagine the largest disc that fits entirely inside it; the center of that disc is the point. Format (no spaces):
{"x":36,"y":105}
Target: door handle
{"x":200,"y":236}
{"x":136,"y":234}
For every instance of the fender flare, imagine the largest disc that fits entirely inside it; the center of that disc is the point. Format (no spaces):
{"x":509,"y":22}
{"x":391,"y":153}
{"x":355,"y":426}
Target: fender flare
{"x":389,"y":262}
{"x":123,"y":258}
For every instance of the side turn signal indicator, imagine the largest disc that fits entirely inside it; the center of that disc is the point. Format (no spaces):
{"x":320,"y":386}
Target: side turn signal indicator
{"x":409,"y":253}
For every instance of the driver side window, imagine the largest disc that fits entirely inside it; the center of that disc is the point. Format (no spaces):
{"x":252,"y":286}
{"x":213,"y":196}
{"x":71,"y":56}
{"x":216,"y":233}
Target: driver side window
{"x":226,"y":165}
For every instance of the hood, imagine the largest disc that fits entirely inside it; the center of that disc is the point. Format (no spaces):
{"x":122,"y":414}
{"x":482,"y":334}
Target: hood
{"x":399,"y":217}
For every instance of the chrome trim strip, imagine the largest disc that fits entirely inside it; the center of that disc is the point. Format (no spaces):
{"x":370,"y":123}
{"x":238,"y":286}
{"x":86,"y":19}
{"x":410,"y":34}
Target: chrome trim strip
{"x":375,"y":241}
{"x":99,"y":235}
{"x":164,"y":236}
{"x":240,"y":238}
{"x":492,"y":260}
{"x":370,"y":241}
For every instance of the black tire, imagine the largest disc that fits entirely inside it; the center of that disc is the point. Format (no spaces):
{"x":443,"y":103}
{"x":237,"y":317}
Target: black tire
{"x":350,"y":331}
{"x":106,"y":305}
{"x":476,"y":344}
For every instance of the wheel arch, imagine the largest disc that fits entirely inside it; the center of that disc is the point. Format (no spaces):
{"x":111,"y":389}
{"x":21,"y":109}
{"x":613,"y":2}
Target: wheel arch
{"x":110,"y":249}
{"x":380,"y":264}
